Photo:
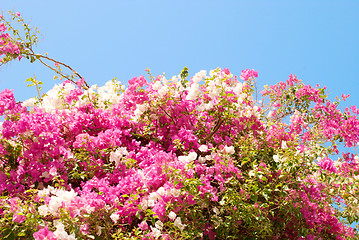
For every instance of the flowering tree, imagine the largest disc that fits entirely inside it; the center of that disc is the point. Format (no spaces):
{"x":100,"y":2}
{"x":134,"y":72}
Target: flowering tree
{"x":179,"y":158}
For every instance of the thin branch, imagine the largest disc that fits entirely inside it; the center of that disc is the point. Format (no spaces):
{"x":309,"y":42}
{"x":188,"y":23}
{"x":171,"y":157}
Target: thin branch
{"x":219,"y":123}
{"x":58,"y":72}
{"x":168,"y":115}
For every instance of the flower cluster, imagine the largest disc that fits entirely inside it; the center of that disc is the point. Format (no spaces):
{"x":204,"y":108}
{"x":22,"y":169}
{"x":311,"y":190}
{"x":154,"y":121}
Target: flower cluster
{"x":177,"y":158}
{"x":8,"y":46}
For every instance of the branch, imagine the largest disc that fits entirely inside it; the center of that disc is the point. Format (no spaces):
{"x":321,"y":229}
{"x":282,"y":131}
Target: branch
{"x":39,"y":56}
{"x":219,"y":123}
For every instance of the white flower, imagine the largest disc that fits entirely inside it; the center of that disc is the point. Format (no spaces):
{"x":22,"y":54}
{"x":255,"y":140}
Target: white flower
{"x":45,"y":174}
{"x":193,"y":92}
{"x":178,"y":223}
{"x":175,"y":192}
{"x":43,"y":193}
{"x":117,"y":155}
{"x":215,"y":210}
{"x":162,"y":91}
{"x":208,"y":157}
{"x":276,"y":158}
{"x":172,"y":215}
{"x":54,"y":204}
{"x":99,"y":230}
{"x":192,"y":156}
{"x":284,"y":145}
{"x":229,"y":150}
{"x":187,"y":159}
{"x":199,"y":76}
{"x":159,"y":225}
{"x":238,"y":89}
{"x":29,"y":102}
{"x":43,"y":210}
{"x":157,"y":85}
{"x":114,"y":217}
{"x":88,"y":209}
{"x":156,"y":233}
{"x":161,"y":191}
{"x":203,"y":148}
{"x":153,"y":196}
{"x":66,"y":196}
{"x":182,"y":158}
{"x":144,"y":204}
{"x":201,"y":159}
{"x":151,"y":203}
{"x":60,"y":232}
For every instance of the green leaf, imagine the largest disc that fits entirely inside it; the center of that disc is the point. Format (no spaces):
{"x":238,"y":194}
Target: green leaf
{"x":184,"y":73}
{"x":254,"y":198}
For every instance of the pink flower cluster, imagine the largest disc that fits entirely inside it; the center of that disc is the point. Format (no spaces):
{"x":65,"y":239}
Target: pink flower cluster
{"x":176,"y":158}
{"x":7,"y":46}
{"x":248,"y":74}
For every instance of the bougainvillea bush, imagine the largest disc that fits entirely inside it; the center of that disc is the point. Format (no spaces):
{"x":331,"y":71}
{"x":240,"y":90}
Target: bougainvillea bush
{"x":205,"y":157}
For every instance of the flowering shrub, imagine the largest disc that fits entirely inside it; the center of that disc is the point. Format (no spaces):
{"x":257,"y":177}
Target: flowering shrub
{"x":176,"y":158}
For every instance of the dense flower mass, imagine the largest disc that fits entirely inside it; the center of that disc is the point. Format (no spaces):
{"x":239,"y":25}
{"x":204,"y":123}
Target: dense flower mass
{"x":178,"y":158}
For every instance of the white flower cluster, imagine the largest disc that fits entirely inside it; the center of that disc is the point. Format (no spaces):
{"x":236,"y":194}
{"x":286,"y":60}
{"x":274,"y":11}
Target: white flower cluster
{"x":161,"y":86}
{"x":189,"y":158}
{"x":140,"y":109}
{"x":59,"y":198}
{"x":194,"y":89}
{"x":117,"y":155}
{"x":229,"y":150}
{"x":55,"y":97}
{"x":115,"y":217}
{"x":177,"y":221}
{"x":156,"y":231}
{"x":154,"y":196}
{"x":60,"y":232}
{"x":110,"y":93}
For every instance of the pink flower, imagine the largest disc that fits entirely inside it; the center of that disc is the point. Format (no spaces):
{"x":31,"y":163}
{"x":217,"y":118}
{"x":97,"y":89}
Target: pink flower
{"x":18,"y":218}
{"x":344,"y":97}
{"x":327,"y":164}
{"x":2,"y":27}
{"x":226,"y":71}
{"x":248,"y":74}
{"x":44,"y":234}
{"x":7,"y":101}
{"x":18,"y":14}
{"x":143,"y":226}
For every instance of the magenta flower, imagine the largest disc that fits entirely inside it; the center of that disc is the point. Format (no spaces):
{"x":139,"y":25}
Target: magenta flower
{"x":44,"y":234}
{"x":18,"y":218}
{"x":248,"y":74}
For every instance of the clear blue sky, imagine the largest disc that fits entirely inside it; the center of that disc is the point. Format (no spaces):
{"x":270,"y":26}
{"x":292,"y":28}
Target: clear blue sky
{"x":316,"y":40}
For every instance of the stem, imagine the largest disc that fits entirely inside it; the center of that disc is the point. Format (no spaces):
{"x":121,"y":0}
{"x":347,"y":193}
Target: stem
{"x":37,"y":88}
{"x":219,"y":123}
{"x":58,"y":72}
{"x":168,"y":115}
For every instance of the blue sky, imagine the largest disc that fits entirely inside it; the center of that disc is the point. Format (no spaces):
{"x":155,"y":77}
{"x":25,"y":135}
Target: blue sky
{"x":316,"y":40}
